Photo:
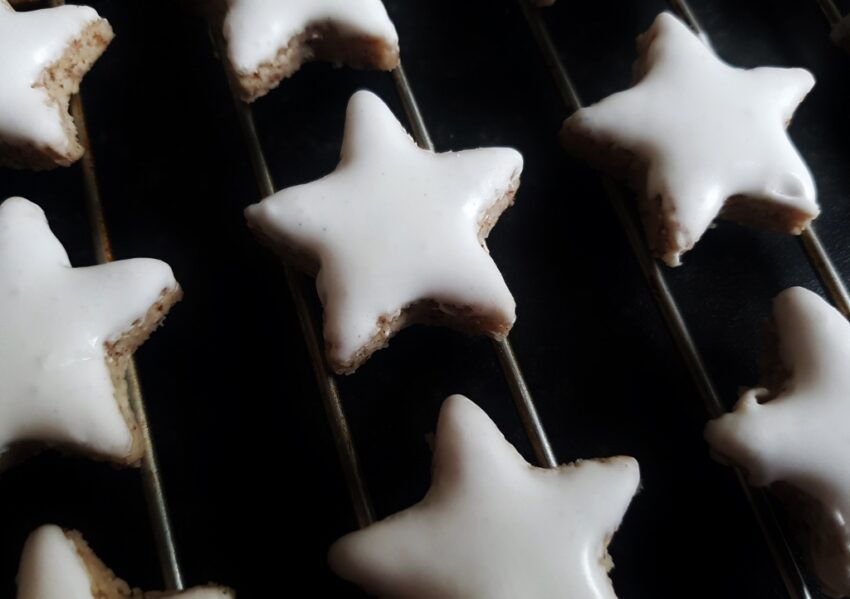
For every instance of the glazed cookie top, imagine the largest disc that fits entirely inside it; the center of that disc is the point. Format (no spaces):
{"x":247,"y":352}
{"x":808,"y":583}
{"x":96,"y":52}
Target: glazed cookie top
{"x":55,"y":384}
{"x":708,"y":131}
{"x":492,"y":526}
{"x":30,"y":42}
{"x":800,"y":435}
{"x":256,"y":30}
{"x":392,"y":225}
{"x":52,"y":567}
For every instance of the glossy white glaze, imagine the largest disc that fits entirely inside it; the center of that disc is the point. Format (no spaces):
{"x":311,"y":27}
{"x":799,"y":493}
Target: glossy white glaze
{"x":55,"y":386}
{"x":256,"y":29}
{"x":492,"y":526}
{"x":709,"y":131}
{"x":51,"y":568}
{"x":30,"y":42}
{"x":801,"y":437}
{"x":392,"y":225}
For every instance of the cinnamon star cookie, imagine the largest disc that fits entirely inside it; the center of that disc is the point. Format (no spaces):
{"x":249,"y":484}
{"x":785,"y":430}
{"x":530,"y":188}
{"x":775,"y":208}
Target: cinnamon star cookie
{"x":268,"y":40}
{"x":492,"y":526}
{"x":698,"y":139}
{"x":67,"y":337}
{"x":792,"y":432}
{"x":396,"y":235}
{"x":43,"y":57}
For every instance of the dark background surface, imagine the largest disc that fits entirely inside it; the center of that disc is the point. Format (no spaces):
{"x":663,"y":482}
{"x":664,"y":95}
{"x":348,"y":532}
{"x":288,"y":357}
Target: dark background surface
{"x":248,"y":463}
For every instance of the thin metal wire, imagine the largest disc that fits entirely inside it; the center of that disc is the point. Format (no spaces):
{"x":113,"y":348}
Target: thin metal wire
{"x":831,"y":11}
{"x":328,"y":389}
{"x":507,"y":358}
{"x":684,"y":11}
{"x":814,"y":249}
{"x":766,"y":518}
{"x":151,"y":477}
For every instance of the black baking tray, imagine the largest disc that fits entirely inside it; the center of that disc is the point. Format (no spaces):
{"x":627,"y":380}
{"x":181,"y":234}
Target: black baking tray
{"x":253,"y":482}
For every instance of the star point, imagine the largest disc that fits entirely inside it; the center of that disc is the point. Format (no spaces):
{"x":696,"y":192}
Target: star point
{"x":396,"y":235}
{"x":699,"y":139}
{"x":492,"y":526}
{"x":67,"y":335}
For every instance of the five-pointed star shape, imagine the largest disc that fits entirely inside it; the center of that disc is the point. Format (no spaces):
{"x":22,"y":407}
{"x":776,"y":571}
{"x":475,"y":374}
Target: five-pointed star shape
{"x":492,"y":526}
{"x":395,"y":225}
{"x":30,"y":43}
{"x":55,"y":383}
{"x":705,"y":132}
{"x":56,"y":564}
{"x":800,"y":435}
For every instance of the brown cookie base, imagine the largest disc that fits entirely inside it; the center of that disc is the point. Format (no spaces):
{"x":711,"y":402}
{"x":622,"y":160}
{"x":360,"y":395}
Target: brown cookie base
{"x":118,"y":356}
{"x":105,"y":584}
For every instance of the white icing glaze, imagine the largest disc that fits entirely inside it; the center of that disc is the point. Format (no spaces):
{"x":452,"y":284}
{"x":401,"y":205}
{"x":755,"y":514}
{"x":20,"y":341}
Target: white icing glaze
{"x":492,"y":526}
{"x":394,"y":224}
{"x":256,"y":29}
{"x":709,"y":131}
{"x":51,"y":568}
{"x":55,"y":385}
{"x":801,"y":436}
{"x":30,"y":42}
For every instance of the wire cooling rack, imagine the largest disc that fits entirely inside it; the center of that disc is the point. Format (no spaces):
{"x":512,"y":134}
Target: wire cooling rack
{"x":789,"y":568}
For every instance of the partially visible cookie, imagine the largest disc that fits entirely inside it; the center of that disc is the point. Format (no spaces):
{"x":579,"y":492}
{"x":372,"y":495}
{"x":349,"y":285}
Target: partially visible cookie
{"x":698,"y":139}
{"x":492,"y":526}
{"x":43,"y":57}
{"x":268,"y":40}
{"x":396,"y":235}
{"x":58,"y":564}
{"x":792,"y":433}
{"x":67,"y":338}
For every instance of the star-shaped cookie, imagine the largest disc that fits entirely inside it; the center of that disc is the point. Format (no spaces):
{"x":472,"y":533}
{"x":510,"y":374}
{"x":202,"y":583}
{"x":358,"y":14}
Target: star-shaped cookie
{"x":795,"y":431}
{"x":699,"y":139}
{"x":58,"y":564}
{"x":268,"y":40}
{"x":492,"y":526}
{"x":396,"y":234}
{"x":43,"y":56}
{"x":68,"y":334}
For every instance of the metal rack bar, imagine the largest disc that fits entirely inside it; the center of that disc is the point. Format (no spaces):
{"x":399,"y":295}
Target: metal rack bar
{"x":151,"y":477}
{"x":326,"y":381}
{"x":830,"y":11}
{"x":774,"y":536}
{"x":814,"y":249}
{"x":504,"y":350}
